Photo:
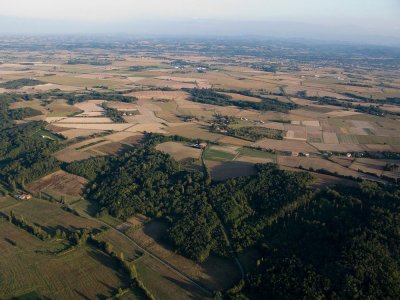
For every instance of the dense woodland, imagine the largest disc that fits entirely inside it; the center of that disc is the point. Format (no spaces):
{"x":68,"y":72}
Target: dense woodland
{"x":335,"y":243}
{"x":254,"y":133}
{"x":210,"y":96}
{"x":24,"y":154}
{"x":19,"y":83}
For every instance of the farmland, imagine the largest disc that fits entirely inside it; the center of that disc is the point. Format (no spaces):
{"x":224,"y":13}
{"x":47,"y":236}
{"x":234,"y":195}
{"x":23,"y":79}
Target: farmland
{"x":175,"y":157}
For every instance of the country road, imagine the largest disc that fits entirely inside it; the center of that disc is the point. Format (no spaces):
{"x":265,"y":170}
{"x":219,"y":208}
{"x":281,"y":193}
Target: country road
{"x":158,"y":259}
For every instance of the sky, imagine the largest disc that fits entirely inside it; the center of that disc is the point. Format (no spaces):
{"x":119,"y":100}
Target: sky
{"x":352,"y":17}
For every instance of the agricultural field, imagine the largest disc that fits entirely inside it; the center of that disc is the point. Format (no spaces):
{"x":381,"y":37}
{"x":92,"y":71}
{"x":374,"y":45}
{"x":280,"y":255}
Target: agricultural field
{"x":218,"y":110}
{"x":83,"y":273}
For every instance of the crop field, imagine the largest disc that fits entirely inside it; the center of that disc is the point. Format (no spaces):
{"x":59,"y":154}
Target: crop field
{"x":179,"y":151}
{"x":221,"y":170}
{"x":165,"y":284}
{"x":49,"y":215}
{"x":60,"y":182}
{"x":69,"y":155}
{"x":316,"y":107}
{"x":6,"y":202}
{"x":286,"y":145}
{"x":79,"y":82}
{"x":215,"y":273}
{"x":82,"y":273}
{"x":60,"y":108}
{"x":218,"y":155}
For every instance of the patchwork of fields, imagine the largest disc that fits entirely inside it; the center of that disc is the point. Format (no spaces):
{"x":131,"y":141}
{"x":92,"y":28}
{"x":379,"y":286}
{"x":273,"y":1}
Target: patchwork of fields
{"x":337,"y":123}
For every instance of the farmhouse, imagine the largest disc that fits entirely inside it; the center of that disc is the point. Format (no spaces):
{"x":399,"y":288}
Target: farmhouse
{"x":23,"y":196}
{"x":199,"y":146}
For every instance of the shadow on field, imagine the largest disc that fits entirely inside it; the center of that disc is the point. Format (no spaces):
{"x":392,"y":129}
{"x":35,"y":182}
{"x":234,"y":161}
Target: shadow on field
{"x":82,"y":295}
{"x":193,"y":293}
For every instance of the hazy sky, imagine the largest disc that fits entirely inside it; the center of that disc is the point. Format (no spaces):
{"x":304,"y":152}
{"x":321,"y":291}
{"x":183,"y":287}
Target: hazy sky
{"x":384,"y":10}
{"x":374,"y":17}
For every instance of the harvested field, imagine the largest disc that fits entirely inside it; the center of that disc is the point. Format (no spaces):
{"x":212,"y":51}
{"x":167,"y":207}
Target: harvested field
{"x":317,"y":164}
{"x":86,"y":120}
{"x":342,"y":113}
{"x":112,"y":148}
{"x":150,"y":127}
{"x":285,"y":145}
{"x":194,"y":130}
{"x":159,"y":95}
{"x":90,"y":106}
{"x":74,"y":133}
{"x":342,"y":160}
{"x":123,"y":106}
{"x":79,"y":82}
{"x":108,"y":126}
{"x":234,"y":141}
{"x":60,"y":182}
{"x":60,"y":108}
{"x":119,"y":136}
{"x":179,"y":151}
{"x":330,"y":138}
{"x":133,"y":140}
{"x":69,"y":155}
{"x":343,"y":148}
{"x":86,"y":143}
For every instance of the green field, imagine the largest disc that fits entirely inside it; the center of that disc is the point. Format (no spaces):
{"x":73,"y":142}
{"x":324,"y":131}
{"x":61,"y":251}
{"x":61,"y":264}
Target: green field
{"x":256,"y":153}
{"x":26,"y":268}
{"x":218,"y":155}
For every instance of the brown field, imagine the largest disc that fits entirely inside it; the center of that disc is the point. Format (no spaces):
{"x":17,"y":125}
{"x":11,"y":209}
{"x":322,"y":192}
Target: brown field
{"x":60,"y":182}
{"x":108,"y":126}
{"x":79,"y":82}
{"x":111,"y":148}
{"x":86,"y":120}
{"x":319,"y":163}
{"x":194,"y":130}
{"x":69,"y":155}
{"x":60,"y":108}
{"x":238,"y":97}
{"x":374,"y":166}
{"x":285,"y":145}
{"x":341,"y":160}
{"x":179,"y":151}
{"x":74,"y":133}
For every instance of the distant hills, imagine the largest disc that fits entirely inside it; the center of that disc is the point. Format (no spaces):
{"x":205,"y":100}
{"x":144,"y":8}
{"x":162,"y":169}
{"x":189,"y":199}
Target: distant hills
{"x":201,"y":27}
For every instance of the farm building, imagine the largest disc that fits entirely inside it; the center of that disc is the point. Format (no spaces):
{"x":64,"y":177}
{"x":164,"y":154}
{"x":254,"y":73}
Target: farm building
{"x":23,"y":196}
